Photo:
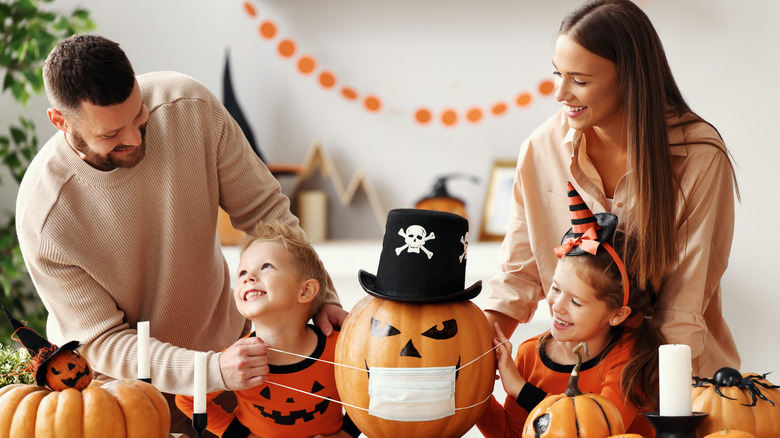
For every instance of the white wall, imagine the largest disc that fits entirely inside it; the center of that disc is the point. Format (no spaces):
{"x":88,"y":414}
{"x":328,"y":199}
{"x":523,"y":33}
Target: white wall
{"x":459,"y":53}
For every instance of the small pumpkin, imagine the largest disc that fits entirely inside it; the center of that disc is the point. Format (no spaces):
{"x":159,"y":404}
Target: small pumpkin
{"x":731,"y":434}
{"x":573,"y":413}
{"x":745,"y":402}
{"x":392,"y":334}
{"x":67,"y":369}
{"x":58,"y":367}
{"x":117,"y":409}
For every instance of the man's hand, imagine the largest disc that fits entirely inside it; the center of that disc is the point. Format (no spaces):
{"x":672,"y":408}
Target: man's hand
{"x":244,"y":364}
{"x":330,"y":316}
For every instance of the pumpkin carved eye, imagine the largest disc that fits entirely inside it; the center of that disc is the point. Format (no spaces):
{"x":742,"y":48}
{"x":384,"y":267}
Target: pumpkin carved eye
{"x":382,"y":329}
{"x":54,"y":371}
{"x":449,"y":330}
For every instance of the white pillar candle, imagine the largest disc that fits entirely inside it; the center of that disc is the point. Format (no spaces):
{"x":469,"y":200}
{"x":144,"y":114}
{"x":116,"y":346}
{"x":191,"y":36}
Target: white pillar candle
{"x":144,"y":367}
{"x":199,"y":404}
{"x":674,"y":377}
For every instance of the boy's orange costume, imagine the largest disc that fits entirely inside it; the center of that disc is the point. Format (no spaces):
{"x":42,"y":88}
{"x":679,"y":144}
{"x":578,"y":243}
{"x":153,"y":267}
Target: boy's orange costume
{"x":270,"y":410}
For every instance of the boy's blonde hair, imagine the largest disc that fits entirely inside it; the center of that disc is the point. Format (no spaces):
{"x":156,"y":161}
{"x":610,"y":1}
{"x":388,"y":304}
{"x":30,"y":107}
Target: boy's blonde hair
{"x":306,"y":259}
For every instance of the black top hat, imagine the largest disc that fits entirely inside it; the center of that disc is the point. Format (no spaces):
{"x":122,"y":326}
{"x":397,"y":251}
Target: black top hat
{"x":423,"y":259}
{"x":37,"y":345}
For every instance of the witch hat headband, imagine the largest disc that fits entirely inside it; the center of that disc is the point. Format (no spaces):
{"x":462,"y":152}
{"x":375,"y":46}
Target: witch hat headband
{"x":37,"y":345}
{"x":588,"y":232}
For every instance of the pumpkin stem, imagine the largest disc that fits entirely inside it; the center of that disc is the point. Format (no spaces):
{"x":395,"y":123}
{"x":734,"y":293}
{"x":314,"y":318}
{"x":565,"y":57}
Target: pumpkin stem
{"x":573,"y":389}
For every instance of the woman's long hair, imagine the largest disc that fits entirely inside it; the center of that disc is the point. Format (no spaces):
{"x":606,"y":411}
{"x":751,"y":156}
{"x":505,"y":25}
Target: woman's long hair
{"x":619,"y":31}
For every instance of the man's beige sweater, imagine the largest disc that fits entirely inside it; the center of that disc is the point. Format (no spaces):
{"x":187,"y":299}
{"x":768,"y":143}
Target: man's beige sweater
{"x":109,"y":249}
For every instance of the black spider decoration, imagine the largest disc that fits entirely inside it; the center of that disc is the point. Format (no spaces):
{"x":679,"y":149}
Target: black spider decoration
{"x":730,"y":377}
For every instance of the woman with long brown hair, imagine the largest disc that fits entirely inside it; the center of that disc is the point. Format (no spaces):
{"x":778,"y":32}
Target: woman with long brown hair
{"x":631,"y":145}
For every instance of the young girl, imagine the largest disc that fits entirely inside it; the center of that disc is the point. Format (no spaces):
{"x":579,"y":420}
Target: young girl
{"x":592,"y":300}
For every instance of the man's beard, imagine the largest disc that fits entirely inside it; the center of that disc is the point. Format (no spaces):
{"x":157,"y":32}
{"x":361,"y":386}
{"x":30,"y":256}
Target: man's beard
{"x":107,"y":162}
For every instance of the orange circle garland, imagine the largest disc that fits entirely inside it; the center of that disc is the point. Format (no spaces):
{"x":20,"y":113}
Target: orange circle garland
{"x":306,"y":65}
{"x":327,"y":79}
{"x":546,"y":88}
{"x":499,"y":108}
{"x":524,"y":99}
{"x":449,"y":117}
{"x":474,"y":115}
{"x":423,"y":116}
{"x":267,"y":30}
{"x":287,"y":48}
{"x":372,"y":103}
{"x":349,"y":93}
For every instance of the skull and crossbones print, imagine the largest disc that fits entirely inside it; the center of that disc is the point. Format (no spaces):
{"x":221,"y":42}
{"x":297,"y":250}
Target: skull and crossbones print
{"x":415,"y":237}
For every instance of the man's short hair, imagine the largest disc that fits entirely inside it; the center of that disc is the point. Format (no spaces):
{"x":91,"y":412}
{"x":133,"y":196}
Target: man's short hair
{"x":87,"y":68}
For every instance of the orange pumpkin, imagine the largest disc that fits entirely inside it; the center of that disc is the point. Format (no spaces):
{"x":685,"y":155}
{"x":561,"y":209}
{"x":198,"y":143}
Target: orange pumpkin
{"x":733,"y":409}
{"x":574,"y":414}
{"x":415,"y":335}
{"x":730,"y":433}
{"x":67,"y":369}
{"x":118,"y":409}
{"x":627,"y":435}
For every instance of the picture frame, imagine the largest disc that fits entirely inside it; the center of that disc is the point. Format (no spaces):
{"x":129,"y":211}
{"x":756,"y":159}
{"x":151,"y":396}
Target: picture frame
{"x":498,"y":201}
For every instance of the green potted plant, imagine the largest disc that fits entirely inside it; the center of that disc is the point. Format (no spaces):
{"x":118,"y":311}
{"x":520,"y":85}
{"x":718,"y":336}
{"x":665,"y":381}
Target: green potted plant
{"x":28,"y":32}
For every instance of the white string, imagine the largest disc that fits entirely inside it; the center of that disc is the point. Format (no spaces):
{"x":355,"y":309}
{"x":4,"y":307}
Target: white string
{"x":480,"y":356}
{"x":314,"y":358}
{"x":365,"y":370}
{"x":315,"y":395}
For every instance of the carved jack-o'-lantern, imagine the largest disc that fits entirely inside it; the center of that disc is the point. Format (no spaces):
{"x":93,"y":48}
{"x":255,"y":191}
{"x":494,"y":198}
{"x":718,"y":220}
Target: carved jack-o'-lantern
{"x":395,"y":335}
{"x":67,"y":369}
{"x":57,"y":367}
{"x":416,"y":355}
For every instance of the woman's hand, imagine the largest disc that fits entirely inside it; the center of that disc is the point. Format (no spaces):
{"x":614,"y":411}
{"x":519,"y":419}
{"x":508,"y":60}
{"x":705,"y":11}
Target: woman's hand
{"x":330,"y":316}
{"x":511,"y":379}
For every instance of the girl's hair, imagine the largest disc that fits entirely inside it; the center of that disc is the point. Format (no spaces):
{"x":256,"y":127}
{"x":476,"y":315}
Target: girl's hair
{"x":639,"y":379}
{"x":303,"y":254}
{"x":87,"y":68}
{"x":618,"y":30}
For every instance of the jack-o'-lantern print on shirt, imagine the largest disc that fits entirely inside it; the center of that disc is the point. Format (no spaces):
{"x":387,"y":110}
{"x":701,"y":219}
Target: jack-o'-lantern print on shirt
{"x":295,"y":410}
{"x":299,"y":400}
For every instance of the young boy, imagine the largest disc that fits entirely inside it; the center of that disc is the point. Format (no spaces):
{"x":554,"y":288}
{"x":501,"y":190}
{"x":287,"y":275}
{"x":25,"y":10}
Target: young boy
{"x":278,"y":289}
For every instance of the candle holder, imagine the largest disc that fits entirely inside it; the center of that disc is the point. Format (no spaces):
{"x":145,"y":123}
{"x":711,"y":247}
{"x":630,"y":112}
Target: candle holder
{"x":199,"y":422}
{"x":675,"y":426}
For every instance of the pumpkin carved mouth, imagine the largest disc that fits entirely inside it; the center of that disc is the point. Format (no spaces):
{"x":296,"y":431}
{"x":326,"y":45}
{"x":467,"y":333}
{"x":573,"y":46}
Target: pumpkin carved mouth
{"x":293,"y":416}
{"x":71,"y":382}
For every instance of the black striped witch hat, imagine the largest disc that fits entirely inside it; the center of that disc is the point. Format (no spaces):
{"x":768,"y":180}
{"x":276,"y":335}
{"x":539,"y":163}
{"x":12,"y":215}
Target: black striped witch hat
{"x":590,"y":231}
{"x":582,"y":220}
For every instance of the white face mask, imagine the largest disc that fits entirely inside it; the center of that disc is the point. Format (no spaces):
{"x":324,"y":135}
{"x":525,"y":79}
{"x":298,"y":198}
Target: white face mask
{"x":411,"y":394}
